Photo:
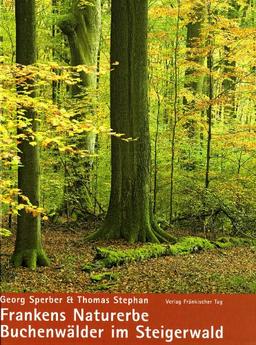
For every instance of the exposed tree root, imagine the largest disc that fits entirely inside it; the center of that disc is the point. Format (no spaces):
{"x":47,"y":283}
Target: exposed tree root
{"x":30,"y":258}
{"x":153,"y":234}
{"x":104,"y":233}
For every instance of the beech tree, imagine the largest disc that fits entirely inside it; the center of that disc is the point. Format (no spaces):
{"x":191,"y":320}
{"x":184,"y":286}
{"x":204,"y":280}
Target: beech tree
{"x":230,"y":79}
{"x":194,"y":42}
{"x":129,"y":213}
{"x":82,"y":27}
{"x":200,"y":60}
{"x":28,"y":248}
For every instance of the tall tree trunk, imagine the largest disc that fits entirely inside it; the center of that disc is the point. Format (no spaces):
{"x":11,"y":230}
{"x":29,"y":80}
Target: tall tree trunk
{"x":55,"y":84}
{"x":129,"y":214}
{"x":229,"y":83}
{"x":156,"y":153}
{"x":210,"y":106}
{"x":209,"y":121}
{"x":229,"y":87}
{"x":194,"y":81}
{"x":194,"y":42}
{"x":175,"y":113}
{"x":28,"y":247}
{"x":83,"y":29}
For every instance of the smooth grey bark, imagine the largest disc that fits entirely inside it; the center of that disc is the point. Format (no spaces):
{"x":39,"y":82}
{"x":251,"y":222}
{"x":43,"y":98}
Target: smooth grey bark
{"x":28,"y":247}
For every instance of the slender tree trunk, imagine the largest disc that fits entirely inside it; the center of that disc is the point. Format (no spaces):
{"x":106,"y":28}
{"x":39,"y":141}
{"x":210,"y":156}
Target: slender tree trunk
{"x":1,"y":46}
{"x":129,"y":214}
{"x":1,"y":111}
{"x":229,"y":87}
{"x":28,"y":247}
{"x":210,"y":107}
{"x":1,"y":37}
{"x":175,"y":113}
{"x":209,"y":122}
{"x":55,"y":84}
{"x":155,"y":152}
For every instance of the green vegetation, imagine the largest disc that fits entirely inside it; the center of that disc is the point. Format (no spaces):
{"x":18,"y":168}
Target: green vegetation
{"x":230,"y":270}
{"x":103,"y":276}
{"x":107,"y":257}
{"x":133,"y":121}
{"x":229,"y":242}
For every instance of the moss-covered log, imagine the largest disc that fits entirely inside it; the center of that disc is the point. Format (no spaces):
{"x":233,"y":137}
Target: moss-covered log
{"x":107,"y":257}
{"x":186,"y":245}
{"x":229,"y":242}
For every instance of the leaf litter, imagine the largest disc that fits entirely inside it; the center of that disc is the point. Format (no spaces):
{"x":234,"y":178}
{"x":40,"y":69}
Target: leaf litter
{"x":215,"y":271}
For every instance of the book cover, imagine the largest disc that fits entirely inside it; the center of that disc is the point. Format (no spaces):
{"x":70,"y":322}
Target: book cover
{"x":127,"y":182}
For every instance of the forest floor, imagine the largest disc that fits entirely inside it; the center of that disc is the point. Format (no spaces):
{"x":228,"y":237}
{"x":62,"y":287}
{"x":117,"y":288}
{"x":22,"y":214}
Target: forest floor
{"x":215,"y":271}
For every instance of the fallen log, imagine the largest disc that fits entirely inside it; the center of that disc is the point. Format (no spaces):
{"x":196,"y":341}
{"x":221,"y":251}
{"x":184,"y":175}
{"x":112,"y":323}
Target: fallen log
{"x":107,"y":257}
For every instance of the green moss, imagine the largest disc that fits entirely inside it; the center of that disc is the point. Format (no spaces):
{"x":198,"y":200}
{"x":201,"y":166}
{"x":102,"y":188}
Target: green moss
{"x":110,"y":276}
{"x":89,"y":267}
{"x":107,"y":257}
{"x":110,"y":257}
{"x":223,"y":245}
{"x":191,"y":244}
{"x":237,"y":283}
{"x":229,"y":242}
{"x":30,"y":258}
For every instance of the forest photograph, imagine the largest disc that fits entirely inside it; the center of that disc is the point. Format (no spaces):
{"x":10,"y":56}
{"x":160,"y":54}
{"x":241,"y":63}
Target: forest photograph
{"x":128,"y":146}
